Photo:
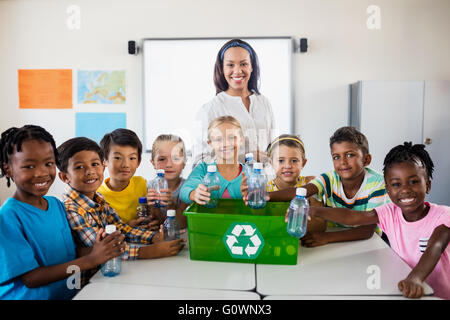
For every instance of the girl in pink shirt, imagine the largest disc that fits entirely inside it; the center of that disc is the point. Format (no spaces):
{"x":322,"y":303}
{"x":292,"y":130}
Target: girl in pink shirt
{"x":418,"y":231}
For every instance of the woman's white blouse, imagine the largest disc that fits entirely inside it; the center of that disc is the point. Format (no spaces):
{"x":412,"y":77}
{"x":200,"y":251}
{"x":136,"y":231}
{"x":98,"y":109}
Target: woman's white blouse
{"x":258,"y":123}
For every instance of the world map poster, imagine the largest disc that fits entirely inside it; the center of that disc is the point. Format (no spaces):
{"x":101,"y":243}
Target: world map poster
{"x":101,"y":87}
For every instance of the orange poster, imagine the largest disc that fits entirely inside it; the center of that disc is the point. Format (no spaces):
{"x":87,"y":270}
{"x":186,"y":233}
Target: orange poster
{"x":45,"y":89}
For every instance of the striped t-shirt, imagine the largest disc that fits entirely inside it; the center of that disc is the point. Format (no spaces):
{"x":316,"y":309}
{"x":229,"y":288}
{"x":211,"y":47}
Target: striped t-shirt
{"x":370,"y":195}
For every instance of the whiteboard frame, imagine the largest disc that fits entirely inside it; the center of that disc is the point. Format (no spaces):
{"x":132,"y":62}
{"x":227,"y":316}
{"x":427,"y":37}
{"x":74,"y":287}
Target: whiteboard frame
{"x":291,"y":82}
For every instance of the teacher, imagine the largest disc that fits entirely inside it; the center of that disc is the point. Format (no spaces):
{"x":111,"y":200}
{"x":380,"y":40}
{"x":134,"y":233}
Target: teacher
{"x":236,"y":78}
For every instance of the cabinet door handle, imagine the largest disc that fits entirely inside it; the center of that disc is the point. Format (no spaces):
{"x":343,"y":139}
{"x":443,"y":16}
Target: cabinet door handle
{"x":428,"y":141}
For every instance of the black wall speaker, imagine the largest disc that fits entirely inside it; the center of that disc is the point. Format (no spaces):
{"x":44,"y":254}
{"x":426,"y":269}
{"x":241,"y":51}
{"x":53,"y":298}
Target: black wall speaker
{"x":303,"y":44}
{"x":132,"y":48}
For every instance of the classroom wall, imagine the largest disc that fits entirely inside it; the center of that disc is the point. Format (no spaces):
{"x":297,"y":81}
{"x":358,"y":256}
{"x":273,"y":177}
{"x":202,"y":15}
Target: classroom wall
{"x":412,"y":44}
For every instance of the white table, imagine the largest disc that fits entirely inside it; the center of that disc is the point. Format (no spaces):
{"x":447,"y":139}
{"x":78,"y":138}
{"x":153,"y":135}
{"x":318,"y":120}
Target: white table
{"x":337,"y":269}
{"x":346,"y":298}
{"x":118,"y":291}
{"x":180,"y":271}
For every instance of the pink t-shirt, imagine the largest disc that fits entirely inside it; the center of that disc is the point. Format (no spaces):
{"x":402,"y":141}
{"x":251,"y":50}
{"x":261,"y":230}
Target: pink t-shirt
{"x":226,"y":194}
{"x":409,"y":241}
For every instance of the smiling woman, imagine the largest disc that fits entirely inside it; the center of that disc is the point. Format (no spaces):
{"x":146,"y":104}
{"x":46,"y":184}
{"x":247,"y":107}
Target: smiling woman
{"x":236,"y":77}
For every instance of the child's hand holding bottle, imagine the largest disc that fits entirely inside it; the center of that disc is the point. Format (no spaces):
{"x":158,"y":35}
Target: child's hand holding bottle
{"x":244,"y":191}
{"x":311,"y":213}
{"x":161,"y":248}
{"x":106,"y":248}
{"x":168,"y":248}
{"x":165,"y":198}
{"x":244,"y":188}
{"x":141,"y":222}
{"x":200,"y":195}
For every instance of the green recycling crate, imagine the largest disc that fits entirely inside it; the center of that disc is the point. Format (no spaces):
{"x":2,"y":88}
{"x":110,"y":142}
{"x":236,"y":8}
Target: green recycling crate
{"x":234,"y":232}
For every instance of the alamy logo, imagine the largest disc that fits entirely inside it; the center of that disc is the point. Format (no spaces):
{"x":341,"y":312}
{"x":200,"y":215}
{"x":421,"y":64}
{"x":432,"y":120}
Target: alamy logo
{"x":374,"y":19}
{"x":374,"y":280}
{"x":423,"y":243}
{"x":73,"y":21}
{"x":74,"y":281}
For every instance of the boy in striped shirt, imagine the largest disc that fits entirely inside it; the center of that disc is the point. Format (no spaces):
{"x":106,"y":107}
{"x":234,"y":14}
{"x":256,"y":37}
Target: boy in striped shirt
{"x":350,"y":185}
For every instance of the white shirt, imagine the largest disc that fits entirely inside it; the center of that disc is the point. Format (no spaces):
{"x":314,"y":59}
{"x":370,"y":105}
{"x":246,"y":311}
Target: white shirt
{"x":258,"y":123}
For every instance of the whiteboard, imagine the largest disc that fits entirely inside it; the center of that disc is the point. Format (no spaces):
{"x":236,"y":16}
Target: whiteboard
{"x":178,"y":80}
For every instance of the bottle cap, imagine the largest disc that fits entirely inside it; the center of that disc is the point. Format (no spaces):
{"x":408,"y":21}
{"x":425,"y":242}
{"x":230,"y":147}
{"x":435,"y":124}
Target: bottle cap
{"x":249,"y":156}
{"x":301,"y":192}
{"x":257,"y":166}
{"x":142,"y":200}
{"x":110,"y":228}
{"x":171,"y":213}
{"x":160,"y":171}
{"x":212,"y":168}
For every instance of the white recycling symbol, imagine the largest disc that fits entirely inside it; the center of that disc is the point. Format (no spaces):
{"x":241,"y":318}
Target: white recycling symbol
{"x":240,"y":231}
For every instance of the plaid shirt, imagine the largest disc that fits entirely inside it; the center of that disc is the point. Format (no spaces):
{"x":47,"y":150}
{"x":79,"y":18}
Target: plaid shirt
{"x":86,"y":217}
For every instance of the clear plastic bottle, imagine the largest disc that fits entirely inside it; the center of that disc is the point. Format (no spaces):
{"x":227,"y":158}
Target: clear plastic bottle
{"x":112,"y":267}
{"x":249,"y":162}
{"x":160,"y":183}
{"x":257,"y":187}
{"x":298,"y":214}
{"x":171,"y":226}
{"x":212,"y":182}
{"x":143,"y":210}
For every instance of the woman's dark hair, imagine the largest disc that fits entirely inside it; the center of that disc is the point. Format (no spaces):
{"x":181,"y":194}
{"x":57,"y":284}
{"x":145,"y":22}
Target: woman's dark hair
{"x":121,"y":137}
{"x":219,"y":79}
{"x":407,"y":152}
{"x":72,"y":146}
{"x":11,"y":140}
{"x":350,"y":134}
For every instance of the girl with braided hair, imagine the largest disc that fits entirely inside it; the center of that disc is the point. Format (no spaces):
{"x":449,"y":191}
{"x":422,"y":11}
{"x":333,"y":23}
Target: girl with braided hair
{"x":418,"y":231}
{"x":36,"y":245}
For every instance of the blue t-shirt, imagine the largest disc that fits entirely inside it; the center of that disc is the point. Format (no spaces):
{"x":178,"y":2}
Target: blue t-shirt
{"x":31,"y":238}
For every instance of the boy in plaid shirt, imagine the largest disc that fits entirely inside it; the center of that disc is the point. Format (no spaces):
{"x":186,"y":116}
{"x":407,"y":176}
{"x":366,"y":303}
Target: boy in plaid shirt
{"x":81,"y":168}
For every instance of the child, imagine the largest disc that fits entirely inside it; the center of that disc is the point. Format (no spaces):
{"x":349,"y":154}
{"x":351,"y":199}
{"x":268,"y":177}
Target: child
{"x":81,"y":167}
{"x":350,"y":185}
{"x":225,"y":136}
{"x":287,"y":157}
{"x":122,"y":151}
{"x":419,"y":231}
{"x":36,"y":245}
{"x":168,"y":153}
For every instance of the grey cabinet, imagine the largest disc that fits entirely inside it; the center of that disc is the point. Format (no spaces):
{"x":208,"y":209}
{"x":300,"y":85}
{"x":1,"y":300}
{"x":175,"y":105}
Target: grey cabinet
{"x":391,"y":112}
